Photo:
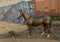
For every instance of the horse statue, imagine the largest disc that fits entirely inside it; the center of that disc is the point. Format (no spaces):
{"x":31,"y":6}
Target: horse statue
{"x":44,"y":20}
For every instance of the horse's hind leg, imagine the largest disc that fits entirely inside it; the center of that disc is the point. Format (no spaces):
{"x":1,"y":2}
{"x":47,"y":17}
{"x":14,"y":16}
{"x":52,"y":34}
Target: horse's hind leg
{"x":48,"y":31}
{"x":44,"y":30}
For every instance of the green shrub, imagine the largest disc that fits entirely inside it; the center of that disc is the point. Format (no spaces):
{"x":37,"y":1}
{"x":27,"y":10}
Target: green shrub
{"x":56,"y":18}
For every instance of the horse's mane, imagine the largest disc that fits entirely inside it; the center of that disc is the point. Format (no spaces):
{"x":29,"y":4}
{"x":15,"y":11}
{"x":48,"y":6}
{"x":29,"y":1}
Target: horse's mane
{"x":41,"y":15}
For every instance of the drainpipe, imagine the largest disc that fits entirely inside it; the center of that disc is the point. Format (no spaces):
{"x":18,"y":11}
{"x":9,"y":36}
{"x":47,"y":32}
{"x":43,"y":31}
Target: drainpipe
{"x":27,"y":7}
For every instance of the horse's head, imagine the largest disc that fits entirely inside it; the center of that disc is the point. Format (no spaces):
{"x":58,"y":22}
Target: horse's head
{"x":23,"y":14}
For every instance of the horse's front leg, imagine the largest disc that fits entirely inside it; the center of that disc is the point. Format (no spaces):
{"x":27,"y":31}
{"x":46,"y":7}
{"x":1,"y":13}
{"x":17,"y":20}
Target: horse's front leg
{"x":30,"y":31}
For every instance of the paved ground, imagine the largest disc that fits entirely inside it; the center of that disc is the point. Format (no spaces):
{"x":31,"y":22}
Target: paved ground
{"x":27,"y":40}
{"x":36,"y":34}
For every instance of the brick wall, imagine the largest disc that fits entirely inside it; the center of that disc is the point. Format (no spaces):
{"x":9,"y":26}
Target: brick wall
{"x":47,"y":6}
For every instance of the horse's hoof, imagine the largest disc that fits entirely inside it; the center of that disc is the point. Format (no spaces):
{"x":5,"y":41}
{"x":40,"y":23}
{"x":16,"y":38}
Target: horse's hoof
{"x":42,"y":34}
{"x":48,"y":35}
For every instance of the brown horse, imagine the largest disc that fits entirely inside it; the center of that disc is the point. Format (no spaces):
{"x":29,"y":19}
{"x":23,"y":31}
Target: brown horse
{"x":37,"y":21}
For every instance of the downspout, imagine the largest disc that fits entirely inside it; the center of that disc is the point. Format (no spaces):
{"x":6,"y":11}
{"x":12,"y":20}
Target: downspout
{"x":27,"y":7}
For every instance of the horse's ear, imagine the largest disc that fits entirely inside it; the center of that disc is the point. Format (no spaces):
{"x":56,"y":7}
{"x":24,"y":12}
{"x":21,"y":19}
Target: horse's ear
{"x":20,"y":10}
